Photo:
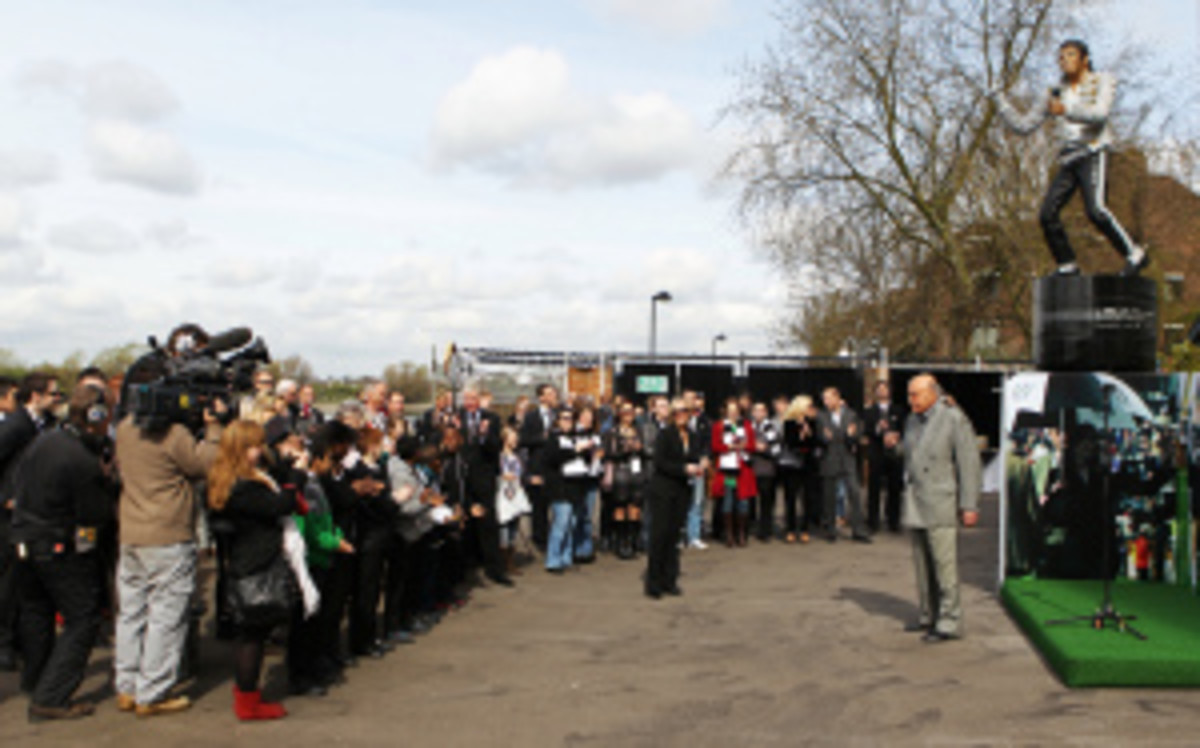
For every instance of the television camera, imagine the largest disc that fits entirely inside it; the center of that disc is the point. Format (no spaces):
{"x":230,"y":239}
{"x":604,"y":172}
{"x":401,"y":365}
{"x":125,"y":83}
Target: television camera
{"x":178,"y":382}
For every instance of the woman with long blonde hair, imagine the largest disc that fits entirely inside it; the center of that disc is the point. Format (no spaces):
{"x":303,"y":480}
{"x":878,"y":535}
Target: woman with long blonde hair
{"x":798,"y":464}
{"x":241,"y":492}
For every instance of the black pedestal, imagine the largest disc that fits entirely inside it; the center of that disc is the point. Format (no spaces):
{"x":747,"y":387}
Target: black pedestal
{"x":1095,"y":323}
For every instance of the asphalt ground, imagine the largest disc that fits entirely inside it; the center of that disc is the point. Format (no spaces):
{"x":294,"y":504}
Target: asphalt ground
{"x":774,"y":645}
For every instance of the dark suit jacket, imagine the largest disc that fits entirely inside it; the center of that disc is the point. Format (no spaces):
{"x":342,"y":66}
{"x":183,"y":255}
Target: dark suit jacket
{"x":17,"y":431}
{"x":671,"y":459}
{"x":839,"y":446}
{"x":481,"y":452}
{"x":895,"y":422}
{"x":534,"y":438}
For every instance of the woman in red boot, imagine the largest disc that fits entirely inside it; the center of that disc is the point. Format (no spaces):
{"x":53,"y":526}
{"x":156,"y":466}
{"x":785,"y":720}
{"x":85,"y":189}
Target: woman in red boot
{"x":733,"y":481}
{"x":242,"y":492}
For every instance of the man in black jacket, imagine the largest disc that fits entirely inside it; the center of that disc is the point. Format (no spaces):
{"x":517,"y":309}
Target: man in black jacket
{"x":63,"y":498}
{"x":481,"y":453}
{"x":885,"y":466}
{"x":37,"y":394}
{"x":534,"y":432}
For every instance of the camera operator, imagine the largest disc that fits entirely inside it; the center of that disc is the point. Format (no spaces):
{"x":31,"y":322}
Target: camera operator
{"x":64,"y":497}
{"x":157,"y":565}
{"x":35,"y":397}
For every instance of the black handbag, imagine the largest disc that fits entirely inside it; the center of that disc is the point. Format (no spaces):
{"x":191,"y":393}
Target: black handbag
{"x":265,"y":598}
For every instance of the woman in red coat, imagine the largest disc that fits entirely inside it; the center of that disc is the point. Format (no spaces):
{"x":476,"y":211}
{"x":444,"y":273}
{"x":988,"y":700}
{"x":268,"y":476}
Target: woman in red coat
{"x":733,"y":479}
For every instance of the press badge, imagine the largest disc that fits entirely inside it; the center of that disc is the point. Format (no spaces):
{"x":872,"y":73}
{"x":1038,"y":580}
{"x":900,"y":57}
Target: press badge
{"x":85,"y":539}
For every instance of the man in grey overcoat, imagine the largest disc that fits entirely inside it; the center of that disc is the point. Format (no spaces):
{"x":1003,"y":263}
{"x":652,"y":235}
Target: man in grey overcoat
{"x":942,"y":477}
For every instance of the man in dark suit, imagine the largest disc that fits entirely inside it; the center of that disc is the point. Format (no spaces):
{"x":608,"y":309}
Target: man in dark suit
{"x":885,"y":466}
{"x":429,"y":427}
{"x":838,"y":430}
{"x":481,"y":453}
{"x":37,"y":394}
{"x":534,"y":432}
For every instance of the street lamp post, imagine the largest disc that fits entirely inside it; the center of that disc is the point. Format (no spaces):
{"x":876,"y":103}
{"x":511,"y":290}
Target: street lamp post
{"x":660,"y":296}
{"x":718,"y":338}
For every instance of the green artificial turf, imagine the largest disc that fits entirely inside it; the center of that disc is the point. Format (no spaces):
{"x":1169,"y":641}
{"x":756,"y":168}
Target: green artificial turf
{"x":1169,"y":615}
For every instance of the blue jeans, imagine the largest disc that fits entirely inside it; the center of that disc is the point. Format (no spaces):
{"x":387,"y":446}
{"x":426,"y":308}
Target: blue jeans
{"x":730,"y":502}
{"x":695,"y":515}
{"x":583,"y":525}
{"x":559,"y":553}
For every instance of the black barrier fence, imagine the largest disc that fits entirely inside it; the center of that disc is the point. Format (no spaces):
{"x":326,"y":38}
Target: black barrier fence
{"x":976,"y":387}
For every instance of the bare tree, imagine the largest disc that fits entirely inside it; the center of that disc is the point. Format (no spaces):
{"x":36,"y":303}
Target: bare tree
{"x":866,"y":127}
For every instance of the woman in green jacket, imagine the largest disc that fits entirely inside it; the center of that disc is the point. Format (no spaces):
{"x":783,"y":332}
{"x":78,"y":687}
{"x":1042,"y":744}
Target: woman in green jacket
{"x":312,"y":643}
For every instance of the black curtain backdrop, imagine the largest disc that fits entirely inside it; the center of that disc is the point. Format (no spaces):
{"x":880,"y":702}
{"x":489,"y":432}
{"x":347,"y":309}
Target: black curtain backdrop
{"x":716,"y":382}
{"x":979,"y":394}
{"x":766,"y":382}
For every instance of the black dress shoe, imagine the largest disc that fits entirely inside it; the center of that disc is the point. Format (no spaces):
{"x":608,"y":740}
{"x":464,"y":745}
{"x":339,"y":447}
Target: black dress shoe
{"x":653,"y":594}
{"x":559,"y":571}
{"x":74,"y":711}
{"x":674,"y":591}
{"x":862,"y":539}
{"x":937,"y":637}
{"x":501,"y":580}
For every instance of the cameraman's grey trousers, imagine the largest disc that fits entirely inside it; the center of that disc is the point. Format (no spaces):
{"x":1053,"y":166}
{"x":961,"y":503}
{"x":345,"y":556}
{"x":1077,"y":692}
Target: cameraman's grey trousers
{"x":154,"y":591}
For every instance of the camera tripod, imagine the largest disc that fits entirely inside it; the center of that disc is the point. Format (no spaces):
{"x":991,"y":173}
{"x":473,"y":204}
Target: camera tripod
{"x":1107,"y":613}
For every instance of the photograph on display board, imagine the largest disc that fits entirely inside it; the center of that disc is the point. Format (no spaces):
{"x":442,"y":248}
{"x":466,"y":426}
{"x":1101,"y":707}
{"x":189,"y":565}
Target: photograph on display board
{"x":1193,"y":441}
{"x":1093,"y":458}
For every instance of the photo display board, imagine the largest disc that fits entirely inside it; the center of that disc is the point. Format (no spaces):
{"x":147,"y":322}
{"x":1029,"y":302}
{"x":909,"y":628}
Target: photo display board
{"x":1093,"y":458}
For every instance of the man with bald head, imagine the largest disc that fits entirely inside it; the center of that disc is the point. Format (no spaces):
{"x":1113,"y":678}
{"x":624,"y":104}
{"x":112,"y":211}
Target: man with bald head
{"x":942,"y":477}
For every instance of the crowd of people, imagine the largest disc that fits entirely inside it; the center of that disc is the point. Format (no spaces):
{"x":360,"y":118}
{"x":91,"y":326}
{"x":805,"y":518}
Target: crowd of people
{"x":358,"y":530}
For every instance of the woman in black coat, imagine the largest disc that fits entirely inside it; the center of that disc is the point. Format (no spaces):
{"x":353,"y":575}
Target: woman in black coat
{"x":252,"y":505}
{"x":676,"y":459}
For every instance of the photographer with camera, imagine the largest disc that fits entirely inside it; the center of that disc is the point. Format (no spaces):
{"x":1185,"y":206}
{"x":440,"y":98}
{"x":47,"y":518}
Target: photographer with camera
{"x":64,"y":497}
{"x":160,"y":459}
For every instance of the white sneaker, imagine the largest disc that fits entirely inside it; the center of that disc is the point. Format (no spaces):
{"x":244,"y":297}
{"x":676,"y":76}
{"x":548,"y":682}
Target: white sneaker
{"x":698,"y":544}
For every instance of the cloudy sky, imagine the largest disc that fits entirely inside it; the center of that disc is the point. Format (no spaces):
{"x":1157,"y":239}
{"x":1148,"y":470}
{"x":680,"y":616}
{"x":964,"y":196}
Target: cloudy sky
{"x":359,"y":180}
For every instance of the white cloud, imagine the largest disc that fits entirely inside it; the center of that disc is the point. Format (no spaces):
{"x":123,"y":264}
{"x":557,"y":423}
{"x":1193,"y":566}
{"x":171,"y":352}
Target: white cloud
{"x":516,"y":115}
{"x":173,"y":235}
{"x":50,"y":76}
{"x":676,"y":17}
{"x":96,"y":236}
{"x":25,"y":267}
{"x":636,"y":138}
{"x":119,"y":99}
{"x":239,"y":273}
{"x":122,"y":90}
{"x":127,"y":152}
{"x":504,"y":103}
{"x":15,"y":220}
{"x":27,"y":168}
